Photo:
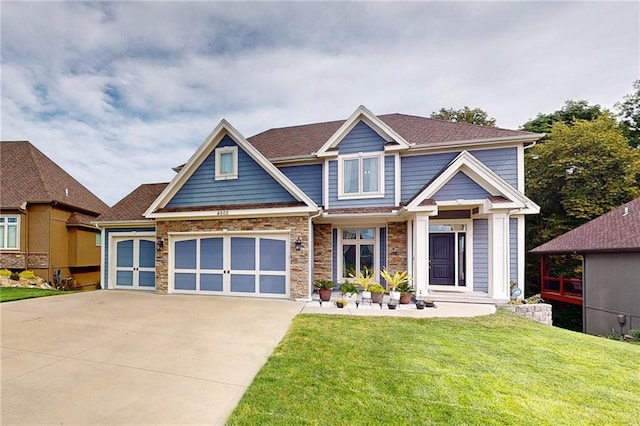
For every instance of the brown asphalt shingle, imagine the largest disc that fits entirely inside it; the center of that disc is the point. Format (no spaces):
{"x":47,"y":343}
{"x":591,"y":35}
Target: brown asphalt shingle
{"x":133,"y":206}
{"x":306,"y":139}
{"x":613,"y":231}
{"x":26,"y":174}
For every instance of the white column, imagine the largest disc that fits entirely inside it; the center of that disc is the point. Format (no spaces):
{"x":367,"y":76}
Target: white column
{"x":499,"y":256}
{"x":521,"y":253}
{"x":421,"y":254}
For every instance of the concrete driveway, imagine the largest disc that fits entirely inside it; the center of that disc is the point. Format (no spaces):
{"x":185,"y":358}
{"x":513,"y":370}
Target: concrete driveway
{"x":116,"y":357}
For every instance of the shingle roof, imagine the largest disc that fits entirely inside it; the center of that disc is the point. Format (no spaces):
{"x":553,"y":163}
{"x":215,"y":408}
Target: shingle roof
{"x":26,"y":174}
{"x":618,"y":230}
{"x":133,"y":206}
{"x":306,"y":139}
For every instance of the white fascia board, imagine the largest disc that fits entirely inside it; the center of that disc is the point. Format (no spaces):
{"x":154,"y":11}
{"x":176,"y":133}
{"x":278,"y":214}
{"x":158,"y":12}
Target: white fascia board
{"x":480,"y":143}
{"x":223,"y":214}
{"x":221,"y":130}
{"x":363,"y":114}
{"x":119,"y":224}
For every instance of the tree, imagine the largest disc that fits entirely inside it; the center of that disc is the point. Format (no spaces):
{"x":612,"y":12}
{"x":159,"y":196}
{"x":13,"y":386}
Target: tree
{"x":570,"y":112}
{"x":629,"y":115}
{"x":465,"y":115}
{"x":582,"y":171}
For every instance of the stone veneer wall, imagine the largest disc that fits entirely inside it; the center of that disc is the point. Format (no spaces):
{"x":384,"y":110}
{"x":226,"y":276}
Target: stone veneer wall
{"x":397,"y":246}
{"x":12,"y":260}
{"x":540,"y":312}
{"x":298,"y":225}
{"x":322,"y":267}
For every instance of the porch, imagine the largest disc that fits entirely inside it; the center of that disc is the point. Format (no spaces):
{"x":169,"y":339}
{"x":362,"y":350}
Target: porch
{"x":560,"y":288}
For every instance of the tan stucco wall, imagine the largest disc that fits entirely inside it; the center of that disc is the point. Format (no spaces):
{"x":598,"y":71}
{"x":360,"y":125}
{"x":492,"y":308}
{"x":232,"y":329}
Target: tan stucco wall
{"x":298,"y":225}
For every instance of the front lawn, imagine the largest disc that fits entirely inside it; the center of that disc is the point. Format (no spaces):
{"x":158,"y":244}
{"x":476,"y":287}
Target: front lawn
{"x":8,"y":294}
{"x":492,"y":370}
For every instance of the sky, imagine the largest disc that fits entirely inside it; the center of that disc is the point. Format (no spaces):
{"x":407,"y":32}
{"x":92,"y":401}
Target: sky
{"x":118,"y":93}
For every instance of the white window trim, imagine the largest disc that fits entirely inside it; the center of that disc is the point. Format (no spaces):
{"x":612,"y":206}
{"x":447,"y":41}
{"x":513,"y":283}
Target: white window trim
{"x":360,"y":194}
{"x":223,"y":150}
{"x":376,"y":250}
{"x":6,"y":233}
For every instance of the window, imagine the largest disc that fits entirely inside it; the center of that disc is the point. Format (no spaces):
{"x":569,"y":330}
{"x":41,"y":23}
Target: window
{"x":361,"y":176}
{"x":9,"y":236}
{"x":358,"y":248}
{"x":227,"y":163}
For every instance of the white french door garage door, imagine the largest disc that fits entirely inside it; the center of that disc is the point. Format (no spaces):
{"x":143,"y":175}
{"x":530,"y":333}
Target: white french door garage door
{"x":238,"y":264}
{"x":134,"y":262}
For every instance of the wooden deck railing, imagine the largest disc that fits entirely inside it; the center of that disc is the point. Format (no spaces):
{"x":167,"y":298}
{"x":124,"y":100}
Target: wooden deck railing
{"x":563,"y":289}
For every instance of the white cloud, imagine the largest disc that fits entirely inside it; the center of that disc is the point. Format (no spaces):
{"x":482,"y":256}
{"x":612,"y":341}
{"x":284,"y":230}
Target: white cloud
{"x":118,"y":93}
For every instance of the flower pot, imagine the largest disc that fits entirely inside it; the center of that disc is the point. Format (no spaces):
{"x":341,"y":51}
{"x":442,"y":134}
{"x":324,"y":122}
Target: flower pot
{"x":340,"y":304}
{"x":429,"y":304}
{"x":405,"y":299}
{"x":392,"y":305}
{"x":376,"y":297}
{"x":325,"y":294}
{"x":366,"y":295}
{"x":420,"y":304}
{"x":394,"y":295}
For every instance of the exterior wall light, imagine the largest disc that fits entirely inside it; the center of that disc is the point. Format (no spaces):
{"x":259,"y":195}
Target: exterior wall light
{"x":159,"y":244}
{"x":298,"y":243}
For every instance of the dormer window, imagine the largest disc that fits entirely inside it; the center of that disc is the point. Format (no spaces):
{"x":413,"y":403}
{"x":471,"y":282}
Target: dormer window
{"x":227,"y":163}
{"x":360,"y":175}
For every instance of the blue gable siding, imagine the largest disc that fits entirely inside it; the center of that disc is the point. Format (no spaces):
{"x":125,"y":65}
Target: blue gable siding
{"x":105,"y":243}
{"x":361,"y":139}
{"x":254,"y":184}
{"x":389,"y":188}
{"x":481,"y":255}
{"x":417,"y":171}
{"x":308,"y":178}
{"x":503,"y":161}
{"x":513,"y":250}
{"x":460,"y":186}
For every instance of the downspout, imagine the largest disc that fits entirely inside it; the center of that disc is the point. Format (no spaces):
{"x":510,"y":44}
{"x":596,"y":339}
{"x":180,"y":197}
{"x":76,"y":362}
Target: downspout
{"x":23,"y":209}
{"x":311,"y":250}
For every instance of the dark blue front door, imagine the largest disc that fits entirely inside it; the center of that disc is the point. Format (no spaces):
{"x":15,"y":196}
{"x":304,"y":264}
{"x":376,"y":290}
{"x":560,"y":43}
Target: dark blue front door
{"x":442,"y":259}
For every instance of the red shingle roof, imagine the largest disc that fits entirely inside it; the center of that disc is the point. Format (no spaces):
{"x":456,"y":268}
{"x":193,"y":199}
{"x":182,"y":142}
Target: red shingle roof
{"x":618,"y":230}
{"x":133,"y":206}
{"x":27,"y":175}
{"x":306,"y":139}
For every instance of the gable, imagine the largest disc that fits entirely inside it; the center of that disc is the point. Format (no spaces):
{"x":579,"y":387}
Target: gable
{"x":361,"y":138}
{"x":461,"y":186}
{"x":253,"y":185}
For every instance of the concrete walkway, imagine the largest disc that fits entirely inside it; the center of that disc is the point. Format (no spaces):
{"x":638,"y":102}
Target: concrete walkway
{"x":130,"y":357}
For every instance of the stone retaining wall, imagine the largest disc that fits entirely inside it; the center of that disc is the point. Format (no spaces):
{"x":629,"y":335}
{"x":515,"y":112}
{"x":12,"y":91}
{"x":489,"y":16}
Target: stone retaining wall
{"x":540,"y":312}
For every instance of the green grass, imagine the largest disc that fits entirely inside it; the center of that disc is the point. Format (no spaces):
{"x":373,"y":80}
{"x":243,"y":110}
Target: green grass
{"x":8,"y":294}
{"x":494,"y":370}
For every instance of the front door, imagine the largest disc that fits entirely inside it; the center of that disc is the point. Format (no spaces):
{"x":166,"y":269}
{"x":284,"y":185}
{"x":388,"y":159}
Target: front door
{"x":442,"y":259}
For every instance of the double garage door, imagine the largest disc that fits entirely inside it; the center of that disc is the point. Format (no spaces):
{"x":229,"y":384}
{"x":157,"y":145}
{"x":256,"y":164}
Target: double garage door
{"x":240,"y":264}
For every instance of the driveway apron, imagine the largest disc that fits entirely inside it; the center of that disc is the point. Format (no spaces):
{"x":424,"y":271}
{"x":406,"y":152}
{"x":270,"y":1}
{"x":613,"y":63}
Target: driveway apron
{"x":130,"y":357}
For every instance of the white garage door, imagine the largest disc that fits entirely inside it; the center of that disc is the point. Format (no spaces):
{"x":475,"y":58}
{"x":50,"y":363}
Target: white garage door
{"x":241,"y":264}
{"x":133,"y":262}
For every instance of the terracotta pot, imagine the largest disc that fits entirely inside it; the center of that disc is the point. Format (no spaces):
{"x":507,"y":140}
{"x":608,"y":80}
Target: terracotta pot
{"x":405,"y":299}
{"x":325,"y":294}
{"x":376,"y":297}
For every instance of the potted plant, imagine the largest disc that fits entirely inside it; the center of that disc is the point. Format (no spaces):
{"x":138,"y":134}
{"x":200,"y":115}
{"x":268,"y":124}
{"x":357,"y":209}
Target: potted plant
{"x":405,"y":288}
{"x":377,"y":292}
{"x":393,"y":303}
{"x":394,"y":281}
{"x":429,"y":303}
{"x":341,"y":303}
{"x":365,"y":280}
{"x":419,"y":304}
{"x":324,"y":287}
{"x":349,"y":291}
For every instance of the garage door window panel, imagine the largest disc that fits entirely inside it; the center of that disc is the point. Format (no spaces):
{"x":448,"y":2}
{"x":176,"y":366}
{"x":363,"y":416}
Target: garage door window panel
{"x":243,"y":253}
{"x":243,"y":283}
{"x":211,"y":282}
{"x":185,"y":254}
{"x":273,"y":284}
{"x":273,"y":255}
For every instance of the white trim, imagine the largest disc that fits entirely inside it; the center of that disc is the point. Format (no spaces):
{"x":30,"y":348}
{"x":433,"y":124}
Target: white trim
{"x":377,"y":125}
{"x":468,"y":287}
{"x":357,"y":242}
{"x":520,"y":167}
{"x":325,"y":183}
{"x":221,"y":130}
{"x":361,"y":156}
{"x":260,"y":232}
{"x":521,"y":252}
{"x":397,"y":179}
{"x":224,"y":150}
{"x":473,"y":144}
{"x":120,"y":224}
{"x":133,"y":235}
{"x":5,"y":225}
{"x":223,"y":214}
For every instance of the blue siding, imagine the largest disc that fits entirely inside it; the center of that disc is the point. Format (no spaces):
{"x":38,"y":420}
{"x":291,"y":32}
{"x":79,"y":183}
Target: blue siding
{"x":419,"y":170}
{"x":513,"y":250}
{"x":383,"y":253}
{"x":503,"y":161}
{"x":481,"y":255}
{"x":254,"y":184}
{"x":109,"y":231}
{"x":334,"y":254}
{"x":361,"y":139}
{"x":389,"y":188}
{"x":308,"y":178}
{"x":460,"y":186}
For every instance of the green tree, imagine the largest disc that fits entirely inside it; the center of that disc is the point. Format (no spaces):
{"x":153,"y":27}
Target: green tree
{"x":629,"y":115}
{"x":570,"y":112}
{"x":465,"y":115}
{"x":582,"y":171}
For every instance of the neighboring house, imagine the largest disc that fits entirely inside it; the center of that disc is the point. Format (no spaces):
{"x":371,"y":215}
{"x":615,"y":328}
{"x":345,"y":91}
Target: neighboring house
{"x":268,"y":215}
{"x":45,"y":217}
{"x":610,"y":249}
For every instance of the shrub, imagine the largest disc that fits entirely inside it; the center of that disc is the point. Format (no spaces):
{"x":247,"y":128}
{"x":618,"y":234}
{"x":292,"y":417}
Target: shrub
{"x":635,"y":333}
{"x":324,"y":284}
{"x":5,"y":273}
{"x":376,"y":288}
{"x":28,"y":275}
{"x":15,"y":276}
